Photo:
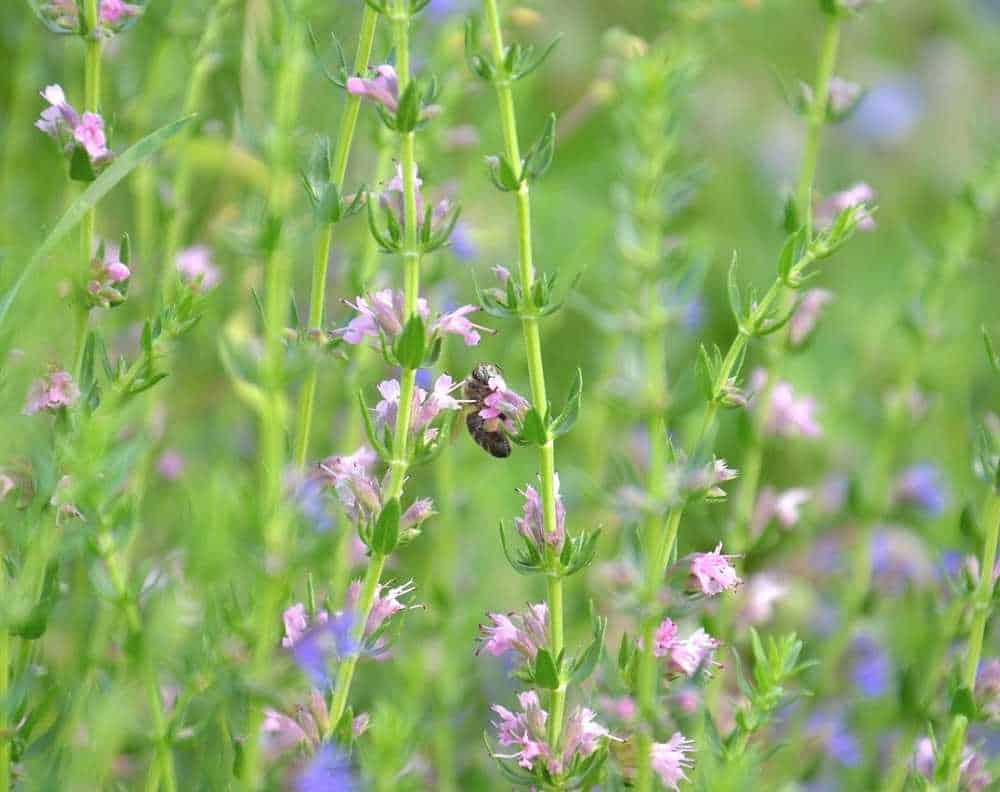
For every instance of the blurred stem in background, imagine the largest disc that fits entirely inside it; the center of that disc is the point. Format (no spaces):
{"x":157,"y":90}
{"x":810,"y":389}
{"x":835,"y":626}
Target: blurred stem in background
{"x":776,"y":348}
{"x":533,"y":352}
{"x":277,"y":280}
{"x":400,"y":17}
{"x":94,"y":44}
{"x":206,"y":60}
{"x":324,"y":236}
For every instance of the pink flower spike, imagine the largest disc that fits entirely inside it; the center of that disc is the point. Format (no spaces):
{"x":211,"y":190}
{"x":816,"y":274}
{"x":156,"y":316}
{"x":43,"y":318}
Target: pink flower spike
{"x":51,"y":393}
{"x":114,"y":11}
{"x":670,"y":760}
{"x":664,"y":638}
{"x":712,"y":574}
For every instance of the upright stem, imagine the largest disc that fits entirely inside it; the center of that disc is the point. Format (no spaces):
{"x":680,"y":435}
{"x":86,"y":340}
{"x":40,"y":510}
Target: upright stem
{"x":751,"y":468}
{"x":533,"y":351}
{"x":817,"y":120}
{"x":5,"y":669}
{"x":982,"y":608}
{"x":399,"y":464}
{"x":91,"y":104}
{"x":324,"y":236}
{"x":277,"y":278}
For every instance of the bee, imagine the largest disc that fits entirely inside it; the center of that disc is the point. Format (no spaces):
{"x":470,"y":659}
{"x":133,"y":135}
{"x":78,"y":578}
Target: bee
{"x":477,"y":388}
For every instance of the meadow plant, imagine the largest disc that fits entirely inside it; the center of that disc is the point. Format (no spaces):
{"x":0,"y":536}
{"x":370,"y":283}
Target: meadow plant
{"x":766,"y":553}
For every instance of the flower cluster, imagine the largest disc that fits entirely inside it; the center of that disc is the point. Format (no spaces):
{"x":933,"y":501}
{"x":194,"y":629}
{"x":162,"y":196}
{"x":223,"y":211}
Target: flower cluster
{"x":685,"y":656}
{"x":51,"y":393}
{"x":789,"y":415}
{"x":525,"y":731}
{"x":861,"y":194}
{"x":425,"y":408}
{"x":383,"y":89}
{"x":196,"y":268}
{"x":70,"y":129}
{"x":112,"y":15}
{"x":380,"y":314}
{"x":522,"y":632}
{"x":531,"y":523}
{"x":712,"y":574}
{"x":109,"y":278}
{"x":360,"y":493}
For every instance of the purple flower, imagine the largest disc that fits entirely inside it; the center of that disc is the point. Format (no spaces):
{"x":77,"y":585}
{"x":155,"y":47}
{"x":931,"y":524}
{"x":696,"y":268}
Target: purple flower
{"x":59,"y":118}
{"x":456,"y":322}
{"x":988,"y":687}
{"x":329,"y":770}
{"x":670,"y":760}
{"x":194,"y":264}
{"x":388,"y":602}
{"x":888,"y":112}
{"x":827,"y":210}
{"x":687,"y":656}
{"x":462,"y":243}
{"x":831,"y":728}
{"x":531,"y":522}
{"x":383,"y":88}
{"x":711,"y":573}
{"x":52,"y":392}
{"x":899,"y":560}
{"x":525,"y":731}
{"x":806,"y":316}
{"x":439,"y":10}
{"x":973,"y":773}
{"x":424,"y":407}
{"x":782,"y":506}
{"x":921,"y":486}
{"x":314,"y":646}
{"x":706,"y":479}
{"x":391,"y":199}
{"x":89,"y":133}
{"x":358,"y":492}
{"x":382,"y":313}
{"x":872,"y":668}
{"x":170,"y":465}
{"x":523,"y":632}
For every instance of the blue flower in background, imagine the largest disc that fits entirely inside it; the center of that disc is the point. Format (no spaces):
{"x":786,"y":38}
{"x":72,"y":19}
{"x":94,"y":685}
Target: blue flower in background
{"x":922,"y":487}
{"x":329,"y":770}
{"x":872,"y":668}
{"x":325,"y":642}
{"x":439,"y":10}
{"x":839,"y":741}
{"x":888,"y":112}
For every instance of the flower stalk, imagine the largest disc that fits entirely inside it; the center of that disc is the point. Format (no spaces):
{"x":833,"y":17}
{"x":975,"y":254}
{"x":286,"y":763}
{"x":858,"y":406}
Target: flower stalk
{"x":533,"y":352}
{"x":324,"y":236}
{"x":399,"y":464}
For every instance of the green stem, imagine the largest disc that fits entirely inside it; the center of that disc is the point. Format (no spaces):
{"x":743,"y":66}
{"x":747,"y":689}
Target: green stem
{"x":817,"y":120}
{"x":5,"y":669}
{"x":206,"y":60}
{"x":533,"y":352}
{"x":277,"y":278}
{"x":982,"y":608}
{"x":399,"y":464}
{"x":324,"y":236}
{"x":91,"y":104}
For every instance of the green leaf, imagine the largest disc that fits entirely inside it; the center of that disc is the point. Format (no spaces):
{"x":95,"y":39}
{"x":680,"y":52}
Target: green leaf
{"x":733,"y":287}
{"x":540,"y":156}
{"x":533,"y":430}
{"x":385,"y":536}
{"x":409,"y":347}
{"x":567,"y":418}
{"x":80,"y":166}
{"x":990,"y":351}
{"x":546,"y":674}
{"x":962,"y":703}
{"x":408,"y":112}
{"x":114,"y":173}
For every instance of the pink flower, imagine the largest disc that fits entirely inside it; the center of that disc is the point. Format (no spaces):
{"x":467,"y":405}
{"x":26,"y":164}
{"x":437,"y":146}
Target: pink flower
{"x":194,"y":264}
{"x":670,"y":760}
{"x":89,"y":133}
{"x":807,"y":314}
{"x":60,"y":117}
{"x":502,"y":273}
{"x":439,"y":399}
{"x":424,"y":407}
{"x":51,"y":393}
{"x":988,"y":688}
{"x":782,"y":506}
{"x":531,"y":522}
{"x":711,"y":573}
{"x":419,"y":512}
{"x":379,"y":313}
{"x":387,"y":604}
{"x":114,"y":11}
{"x":502,"y":406}
{"x":827,"y":210}
{"x":456,"y":322}
{"x":763,"y":591}
{"x":522,"y":632}
{"x":359,"y":493}
{"x":687,"y":656}
{"x":170,"y":465}
{"x":789,"y":415}
{"x":392,"y":199}
{"x":108,"y":273}
{"x":383,"y":88}
{"x":622,"y":707}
